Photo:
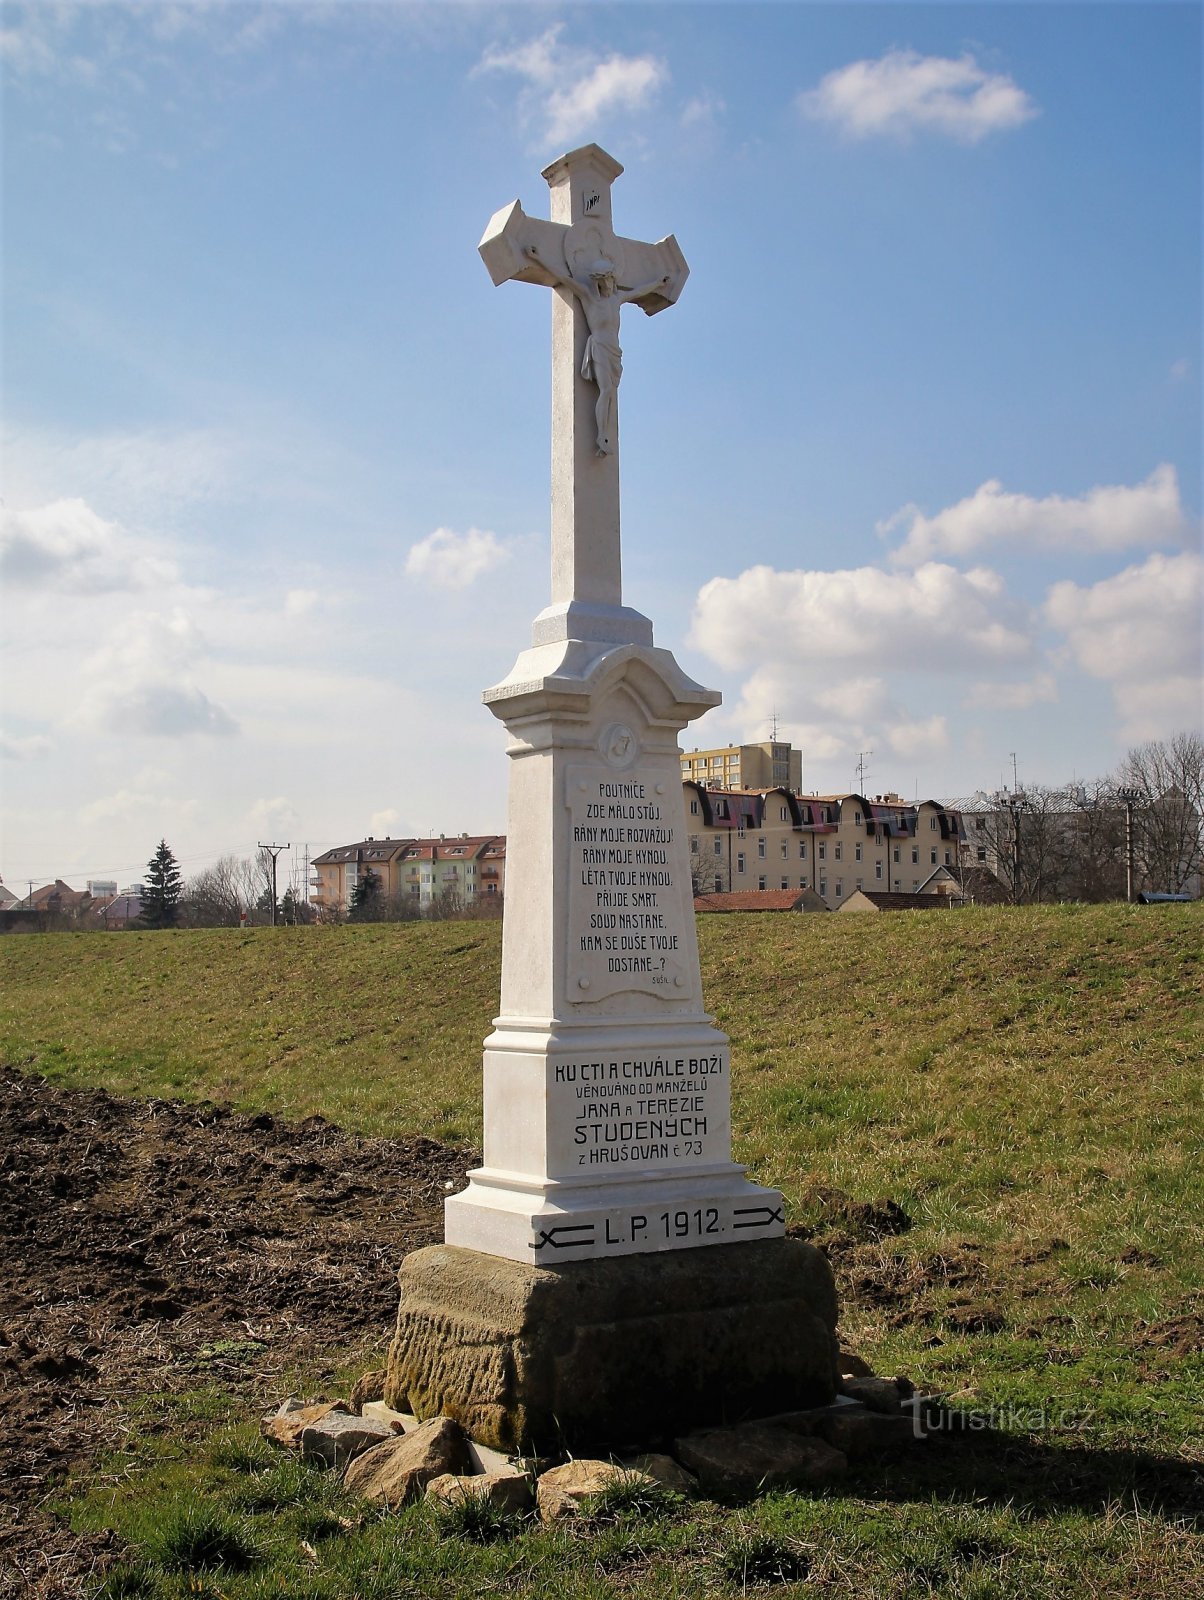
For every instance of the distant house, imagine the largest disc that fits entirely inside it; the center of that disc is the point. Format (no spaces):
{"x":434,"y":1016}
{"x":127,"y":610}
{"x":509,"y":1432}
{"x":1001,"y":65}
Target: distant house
{"x":775,"y":839}
{"x":886,"y":900}
{"x":60,"y":900}
{"x":452,"y":869}
{"x":121,"y":911}
{"x":7,"y":897}
{"x":761,"y":900}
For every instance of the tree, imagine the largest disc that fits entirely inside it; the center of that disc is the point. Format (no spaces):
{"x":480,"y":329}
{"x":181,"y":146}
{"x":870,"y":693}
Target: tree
{"x":365,"y":898}
{"x":1167,"y":778}
{"x":214,"y":898}
{"x":162,"y":890}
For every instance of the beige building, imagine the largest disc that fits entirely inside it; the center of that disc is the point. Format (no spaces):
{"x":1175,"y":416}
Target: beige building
{"x":834,"y":844}
{"x":772,"y":765}
{"x":454,"y":870}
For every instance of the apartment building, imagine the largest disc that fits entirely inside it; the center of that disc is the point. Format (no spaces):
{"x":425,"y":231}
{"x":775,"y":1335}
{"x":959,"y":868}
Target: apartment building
{"x":772,"y":765}
{"x":833,"y":844}
{"x":459,"y":868}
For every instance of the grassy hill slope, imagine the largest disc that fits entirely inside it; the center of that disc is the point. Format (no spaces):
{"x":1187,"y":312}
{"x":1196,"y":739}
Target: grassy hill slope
{"x":991,"y":1119}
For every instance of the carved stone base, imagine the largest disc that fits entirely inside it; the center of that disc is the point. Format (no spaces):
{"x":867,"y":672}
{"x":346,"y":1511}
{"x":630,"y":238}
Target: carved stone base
{"x":617,"y":1352}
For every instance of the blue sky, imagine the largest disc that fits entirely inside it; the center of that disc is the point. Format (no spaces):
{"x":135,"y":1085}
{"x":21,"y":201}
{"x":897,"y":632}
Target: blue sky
{"x":914,"y":464}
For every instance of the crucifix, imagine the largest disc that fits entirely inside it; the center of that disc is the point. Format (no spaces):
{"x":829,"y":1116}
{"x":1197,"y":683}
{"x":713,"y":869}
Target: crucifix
{"x":593,"y":273}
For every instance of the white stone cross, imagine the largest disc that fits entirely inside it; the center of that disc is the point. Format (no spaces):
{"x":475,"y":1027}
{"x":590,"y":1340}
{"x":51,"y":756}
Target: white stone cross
{"x":594,"y":273}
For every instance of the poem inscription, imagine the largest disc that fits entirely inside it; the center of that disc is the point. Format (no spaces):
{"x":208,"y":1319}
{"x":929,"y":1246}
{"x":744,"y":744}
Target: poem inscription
{"x":625,"y":905}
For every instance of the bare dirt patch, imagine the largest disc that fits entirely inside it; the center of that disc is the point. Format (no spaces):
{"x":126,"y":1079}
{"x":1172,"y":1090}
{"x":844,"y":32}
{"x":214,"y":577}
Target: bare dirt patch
{"x":153,"y":1246}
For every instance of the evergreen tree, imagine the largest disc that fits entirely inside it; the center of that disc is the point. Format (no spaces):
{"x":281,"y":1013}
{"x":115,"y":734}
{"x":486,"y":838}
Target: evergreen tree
{"x":162,"y":890}
{"x":365,"y":898}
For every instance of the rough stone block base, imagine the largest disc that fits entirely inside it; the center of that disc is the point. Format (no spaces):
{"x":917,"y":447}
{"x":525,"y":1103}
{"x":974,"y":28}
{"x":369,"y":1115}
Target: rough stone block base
{"x":617,"y":1352}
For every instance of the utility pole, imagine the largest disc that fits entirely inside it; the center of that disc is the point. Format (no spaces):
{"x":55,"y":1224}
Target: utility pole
{"x":1130,"y":797}
{"x":273,"y":850}
{"x":1015,"y":803}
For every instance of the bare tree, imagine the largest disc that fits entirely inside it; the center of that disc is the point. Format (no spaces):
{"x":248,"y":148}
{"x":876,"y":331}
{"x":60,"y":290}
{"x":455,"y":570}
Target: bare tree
{"x":215,"y":898}
{"x":1167,"y":777}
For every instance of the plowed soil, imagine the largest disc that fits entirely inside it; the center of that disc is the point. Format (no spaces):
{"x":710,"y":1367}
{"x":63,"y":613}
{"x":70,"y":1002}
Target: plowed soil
{"x":153,"y":1246}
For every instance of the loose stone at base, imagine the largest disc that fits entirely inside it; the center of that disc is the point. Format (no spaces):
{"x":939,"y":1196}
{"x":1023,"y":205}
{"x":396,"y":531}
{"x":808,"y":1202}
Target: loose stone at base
{"x":398,"y":1470}
{"x":561,"y":1491}
{"x":286,"y":1426}
{"x":508,"y":1491}
{"x":339,"y":1437}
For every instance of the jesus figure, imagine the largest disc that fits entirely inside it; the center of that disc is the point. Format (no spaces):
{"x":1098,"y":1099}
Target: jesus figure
{"x":601,"y":300}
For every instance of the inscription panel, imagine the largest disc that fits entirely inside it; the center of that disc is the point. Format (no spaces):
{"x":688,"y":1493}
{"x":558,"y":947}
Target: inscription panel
{"x":625,"y":904}
{"x":638,"y":1111}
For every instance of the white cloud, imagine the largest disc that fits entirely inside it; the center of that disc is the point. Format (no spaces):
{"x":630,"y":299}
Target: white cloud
{"x":903,"y":92}
{"x":389,"y":824}
{"x":703,"y":110}
{"x":275,"y":816}
{"x":139,"y":681}
{"x":933,"y":619}
{"x":300,"y":602}
{"x":1012,"y":696}
{"x":573,"y":89}
{"x":1140,"y":631}
{"x":450,"y":560}
{"x":66,"y":546}
{"x":917,"y":739}
{"x":1107,"y":518}
{"x":29,"y":747}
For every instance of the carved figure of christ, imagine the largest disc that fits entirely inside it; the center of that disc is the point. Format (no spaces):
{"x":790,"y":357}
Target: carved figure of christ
{"x":594,"y":273}
{"x":602,"y":300}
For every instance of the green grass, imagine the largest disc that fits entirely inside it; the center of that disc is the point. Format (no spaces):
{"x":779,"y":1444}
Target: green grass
{"x":1024,"y":1084}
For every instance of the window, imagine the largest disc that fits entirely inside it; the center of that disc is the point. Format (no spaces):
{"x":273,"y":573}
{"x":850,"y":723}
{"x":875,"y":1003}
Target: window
{"x":896,"y":853}
{"x":694,"y":844}
{"x":877,"y":869}
{"x":718,"y":847}
{"x":934,"y":858}
{"x":856,"y":819}
{"x":823,"y":888}
{"x":802,"y":849}
{"x":839,"y":850}
{"x":740,"y":862}
{"x":932,"y":823}
{"x":694,"y":808}
{"x":857,"y":851}
{"x":859,"y":883}
{"x":915,"y":855}
{"x":823,"y":852}
{"x":785,"y":881}
{"x":783,"y":813}
{"x":740,"y":829}
{"x":785,"y":849}
{"x":982,"y":852}
{"x":761,"y":881}
{"x":980,"y":823}
{"x":718,"y":885}
{"x":839,"y":888}
{"x":761,"y":848}
{"x":946,"y":858}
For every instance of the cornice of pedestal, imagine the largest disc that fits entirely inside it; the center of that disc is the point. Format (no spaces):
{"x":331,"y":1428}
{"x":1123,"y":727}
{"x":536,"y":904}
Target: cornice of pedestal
{"x":564,"y":681}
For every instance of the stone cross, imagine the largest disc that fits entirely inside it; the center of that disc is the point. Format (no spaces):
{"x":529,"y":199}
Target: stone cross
{"x":594,"y":273}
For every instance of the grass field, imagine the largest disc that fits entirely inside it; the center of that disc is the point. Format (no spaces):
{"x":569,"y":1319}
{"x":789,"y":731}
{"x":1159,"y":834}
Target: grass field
{"x":1024,"y":1085}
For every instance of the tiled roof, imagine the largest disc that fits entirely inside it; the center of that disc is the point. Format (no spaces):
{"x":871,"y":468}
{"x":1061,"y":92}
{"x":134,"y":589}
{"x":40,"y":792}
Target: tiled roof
{"x":752,"y":900}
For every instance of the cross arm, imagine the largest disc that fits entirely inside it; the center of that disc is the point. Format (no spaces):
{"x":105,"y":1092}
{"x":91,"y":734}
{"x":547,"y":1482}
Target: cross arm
{"x":507,"y":239}
{"x":649,"y":263}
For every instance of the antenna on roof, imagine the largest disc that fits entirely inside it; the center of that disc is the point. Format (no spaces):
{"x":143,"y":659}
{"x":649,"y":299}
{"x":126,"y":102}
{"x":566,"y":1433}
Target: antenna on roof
{"x":773,"y":729}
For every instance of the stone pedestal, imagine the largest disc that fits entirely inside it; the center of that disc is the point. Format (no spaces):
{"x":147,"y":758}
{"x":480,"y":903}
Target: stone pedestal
{"x":614,"y":1353}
